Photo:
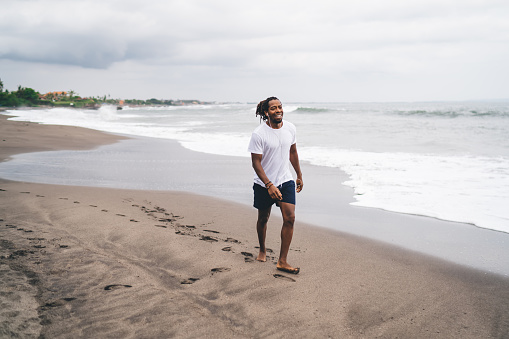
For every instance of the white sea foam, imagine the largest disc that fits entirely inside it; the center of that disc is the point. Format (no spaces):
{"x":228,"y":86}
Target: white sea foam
{"x":457,"y":188}
{"x":233,"y":144}
{"x":290,"y":108}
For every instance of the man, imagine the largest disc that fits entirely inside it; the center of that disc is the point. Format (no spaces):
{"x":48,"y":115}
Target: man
{"x":273,"y":148}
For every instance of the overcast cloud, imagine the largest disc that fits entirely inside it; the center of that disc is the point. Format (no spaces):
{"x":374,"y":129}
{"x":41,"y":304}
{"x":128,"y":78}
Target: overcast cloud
{"x":367,"y":50}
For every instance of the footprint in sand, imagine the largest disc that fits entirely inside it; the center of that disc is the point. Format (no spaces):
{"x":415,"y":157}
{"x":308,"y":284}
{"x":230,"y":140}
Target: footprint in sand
{"x":40,"y":196}
{"x":19,"y":253}
{"x":226,"y":249}
{"x":189,"y":281}
{"x":56,"y":303}
{"x":132,"y":220}
{"x":268,"y":249}
{"x":120,"y":215}
{"x":92,"y":205}
{"x":115,"y":287}
{"x":2,"y":190}
{"x":167,"y":220}
{"x":163,"y":226}
{"x":220,"y":269}
{"x":76,"y":202}
{"x":211,"y":231}
{"x":232,"y":240}
{"x":283,"y":277}
{"x":32,"y":239}
{"x":209,"y":239}
{"x":248,"y":257}
{"x":104,"y":210}
{"x":25,"y":192}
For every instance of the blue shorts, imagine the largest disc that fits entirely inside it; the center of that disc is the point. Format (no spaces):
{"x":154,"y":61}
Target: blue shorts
{"x":262,"y":199}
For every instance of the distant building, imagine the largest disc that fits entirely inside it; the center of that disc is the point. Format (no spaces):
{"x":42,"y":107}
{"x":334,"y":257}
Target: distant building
{"x":54,"y":95}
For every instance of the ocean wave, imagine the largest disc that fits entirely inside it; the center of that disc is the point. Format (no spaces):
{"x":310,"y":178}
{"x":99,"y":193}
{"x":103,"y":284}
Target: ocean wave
{"x":504,"y":114}
{"x":432,"y":114}
{"x":312,"y":110}
{"x":454,"y":113}
{"x":307,"y":109}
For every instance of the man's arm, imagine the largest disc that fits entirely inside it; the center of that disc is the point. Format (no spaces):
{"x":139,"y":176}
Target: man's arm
{"x":294,"y":160}
{"x":256,"y":160}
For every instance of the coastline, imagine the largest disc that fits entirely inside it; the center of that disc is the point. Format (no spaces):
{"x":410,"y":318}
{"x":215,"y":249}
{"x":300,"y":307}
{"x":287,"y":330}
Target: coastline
{"x":112,"y":262}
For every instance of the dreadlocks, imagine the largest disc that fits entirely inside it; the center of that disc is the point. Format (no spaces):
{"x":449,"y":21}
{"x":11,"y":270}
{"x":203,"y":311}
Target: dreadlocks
{"x":263,"y":107}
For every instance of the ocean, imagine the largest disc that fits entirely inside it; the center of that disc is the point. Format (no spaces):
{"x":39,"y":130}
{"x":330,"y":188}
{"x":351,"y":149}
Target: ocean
{"x":446,"y":160}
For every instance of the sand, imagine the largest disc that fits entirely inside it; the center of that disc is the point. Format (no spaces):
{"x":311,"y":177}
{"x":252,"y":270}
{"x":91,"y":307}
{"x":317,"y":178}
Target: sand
{"x":102,"y":263}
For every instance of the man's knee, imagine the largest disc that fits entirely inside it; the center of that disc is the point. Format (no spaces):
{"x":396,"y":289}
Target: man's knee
{"x":263,"y":220}
{"x":263,"y":216}
{"x":289,"y":220}
{"x":288,"y":213}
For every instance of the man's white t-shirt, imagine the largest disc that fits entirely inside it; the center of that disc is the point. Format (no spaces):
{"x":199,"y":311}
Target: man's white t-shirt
{"x":274,"y":145}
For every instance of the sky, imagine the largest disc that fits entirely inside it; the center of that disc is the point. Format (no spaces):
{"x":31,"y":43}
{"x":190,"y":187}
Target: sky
{"x":245,"y":51}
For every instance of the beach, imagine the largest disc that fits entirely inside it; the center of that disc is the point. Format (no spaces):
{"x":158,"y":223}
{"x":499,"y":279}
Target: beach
{"x":87,"y":262}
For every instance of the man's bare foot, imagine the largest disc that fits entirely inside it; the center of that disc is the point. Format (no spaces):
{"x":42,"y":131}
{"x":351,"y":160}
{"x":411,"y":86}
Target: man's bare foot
{"x":285,"y":267}
{"x":262,"y":256}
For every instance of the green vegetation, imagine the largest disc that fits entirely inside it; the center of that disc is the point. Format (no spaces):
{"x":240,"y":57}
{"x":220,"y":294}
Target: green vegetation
{"x":22,"y":97}
{"x":27,"y":97}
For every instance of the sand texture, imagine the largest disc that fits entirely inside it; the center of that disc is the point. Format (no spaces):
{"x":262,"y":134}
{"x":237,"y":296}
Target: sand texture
{"x":81,"y":262}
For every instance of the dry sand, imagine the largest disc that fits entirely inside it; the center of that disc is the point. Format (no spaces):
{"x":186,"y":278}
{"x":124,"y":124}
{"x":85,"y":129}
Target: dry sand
{"x":103,"y":263}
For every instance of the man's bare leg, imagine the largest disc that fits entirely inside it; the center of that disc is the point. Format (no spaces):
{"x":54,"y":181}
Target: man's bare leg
{"x":261,"y":228}
{"x":288,"y":212}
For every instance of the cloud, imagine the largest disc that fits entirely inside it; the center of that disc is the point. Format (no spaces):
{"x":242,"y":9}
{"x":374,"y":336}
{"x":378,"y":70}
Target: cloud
{"x":87,"y":34}
{"x":253,"y":42}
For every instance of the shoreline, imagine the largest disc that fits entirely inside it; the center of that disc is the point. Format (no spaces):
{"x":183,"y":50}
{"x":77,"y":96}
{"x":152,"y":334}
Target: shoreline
{"x":116,"y":262}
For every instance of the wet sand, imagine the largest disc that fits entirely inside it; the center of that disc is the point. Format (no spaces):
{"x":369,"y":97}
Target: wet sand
{"x":96,"y":262}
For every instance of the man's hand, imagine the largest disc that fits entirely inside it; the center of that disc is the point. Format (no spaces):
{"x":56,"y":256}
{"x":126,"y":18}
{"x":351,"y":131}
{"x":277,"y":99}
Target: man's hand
{"x":300,"y":184}
{"x":275,"y":193}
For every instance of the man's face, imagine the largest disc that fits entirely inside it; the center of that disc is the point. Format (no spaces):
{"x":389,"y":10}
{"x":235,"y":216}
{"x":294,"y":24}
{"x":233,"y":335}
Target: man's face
{"x":275,"y":112}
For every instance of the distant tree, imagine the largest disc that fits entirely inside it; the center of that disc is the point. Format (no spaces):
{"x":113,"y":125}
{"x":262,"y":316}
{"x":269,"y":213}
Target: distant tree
{"x":1,"y":86}
{"x":154,"y":101}
{"x":8,"y":99}
{"x":27,"y":94}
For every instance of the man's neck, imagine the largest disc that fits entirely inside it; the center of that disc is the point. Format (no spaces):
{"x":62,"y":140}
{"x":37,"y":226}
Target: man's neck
{"x":274,"y":125}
